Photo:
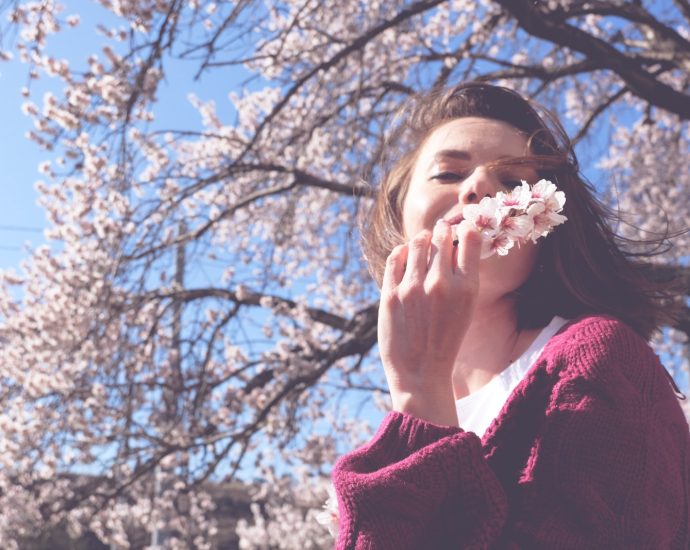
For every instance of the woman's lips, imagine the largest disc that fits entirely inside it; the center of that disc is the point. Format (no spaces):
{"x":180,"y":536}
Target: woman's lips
{"x":455,"y":220}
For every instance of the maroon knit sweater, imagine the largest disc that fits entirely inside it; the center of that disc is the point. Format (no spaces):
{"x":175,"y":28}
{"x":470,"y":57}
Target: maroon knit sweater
{"x":590,"y":451}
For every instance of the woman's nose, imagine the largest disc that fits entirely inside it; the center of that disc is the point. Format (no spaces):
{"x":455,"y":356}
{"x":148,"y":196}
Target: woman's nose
{"x":481,"y":183}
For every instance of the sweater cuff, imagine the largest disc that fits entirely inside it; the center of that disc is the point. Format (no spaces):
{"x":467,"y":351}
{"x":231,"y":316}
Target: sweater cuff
{"x":399,"y":437}
{"x":411,"y":433}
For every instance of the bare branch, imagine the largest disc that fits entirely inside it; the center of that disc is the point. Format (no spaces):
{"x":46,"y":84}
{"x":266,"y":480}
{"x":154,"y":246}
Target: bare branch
{"x":684,"y":6}
{"x":535,"y":21}
{"x":249,"y":298}
{"x":636,"y":13}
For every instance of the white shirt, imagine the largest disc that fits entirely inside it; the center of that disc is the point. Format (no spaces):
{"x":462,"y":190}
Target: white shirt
{"x":478,"y":409}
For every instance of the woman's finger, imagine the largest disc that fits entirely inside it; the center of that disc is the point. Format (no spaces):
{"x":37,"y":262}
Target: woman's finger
{"x":441,"y":256}
{"x":417,"y":258}
{"x":469,"y":249}
{"x":395,"y":268}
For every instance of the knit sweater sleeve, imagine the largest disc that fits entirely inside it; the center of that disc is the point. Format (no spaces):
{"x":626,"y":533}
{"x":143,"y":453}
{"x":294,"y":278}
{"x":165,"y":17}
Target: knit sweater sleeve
{"x":401,"y":490}
{"x":605,"y":464}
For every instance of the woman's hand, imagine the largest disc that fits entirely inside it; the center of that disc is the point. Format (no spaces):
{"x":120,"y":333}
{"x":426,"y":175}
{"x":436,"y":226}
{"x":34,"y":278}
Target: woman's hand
{"x":427,"y":300}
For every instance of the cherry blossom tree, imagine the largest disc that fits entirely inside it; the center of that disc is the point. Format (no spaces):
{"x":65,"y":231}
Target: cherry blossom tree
{"x":202,"y":311}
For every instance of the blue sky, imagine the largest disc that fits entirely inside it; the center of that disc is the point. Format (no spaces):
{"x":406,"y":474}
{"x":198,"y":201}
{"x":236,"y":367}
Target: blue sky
{"x":21,"y":220}
{"x":19,"y":159}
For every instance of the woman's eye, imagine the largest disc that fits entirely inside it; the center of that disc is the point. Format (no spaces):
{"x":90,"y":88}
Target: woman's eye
{"x":447,"y":176}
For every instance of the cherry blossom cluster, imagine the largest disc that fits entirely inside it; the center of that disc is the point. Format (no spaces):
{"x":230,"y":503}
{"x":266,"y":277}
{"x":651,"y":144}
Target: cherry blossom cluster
{"x":329,"y":516}
{"x":523,"y":214}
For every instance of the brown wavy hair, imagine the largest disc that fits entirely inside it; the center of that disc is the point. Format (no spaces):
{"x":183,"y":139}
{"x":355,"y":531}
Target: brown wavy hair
{"x":584,"y":267}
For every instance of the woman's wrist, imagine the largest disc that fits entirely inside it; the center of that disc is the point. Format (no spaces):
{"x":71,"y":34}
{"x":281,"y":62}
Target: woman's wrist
{"x":436,"y":407}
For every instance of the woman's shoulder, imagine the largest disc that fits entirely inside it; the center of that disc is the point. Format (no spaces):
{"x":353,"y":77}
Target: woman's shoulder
{"x":597,"y":334}
{"x":595,"y":323}
{"x":604,"y":351}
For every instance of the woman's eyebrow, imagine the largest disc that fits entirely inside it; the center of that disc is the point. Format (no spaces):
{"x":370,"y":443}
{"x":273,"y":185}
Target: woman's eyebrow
{"x":461,"y":154}
{"x":453,"y":154}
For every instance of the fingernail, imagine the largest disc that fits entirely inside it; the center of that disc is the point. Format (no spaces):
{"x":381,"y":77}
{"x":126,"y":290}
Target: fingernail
{"x":440,"y":221}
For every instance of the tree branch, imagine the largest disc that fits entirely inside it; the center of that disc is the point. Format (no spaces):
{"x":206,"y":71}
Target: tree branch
{"x":684,"y":7}
{"x":632,"y":12}
{"x":357,"y":44}
{"x":537,"y":23}
{"x":250,"y":298}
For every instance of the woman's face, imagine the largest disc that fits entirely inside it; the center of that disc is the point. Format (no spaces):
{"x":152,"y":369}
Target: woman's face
{"x":451,"y":172}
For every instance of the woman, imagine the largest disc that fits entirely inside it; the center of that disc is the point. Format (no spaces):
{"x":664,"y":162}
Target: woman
{"x":528,"y":409}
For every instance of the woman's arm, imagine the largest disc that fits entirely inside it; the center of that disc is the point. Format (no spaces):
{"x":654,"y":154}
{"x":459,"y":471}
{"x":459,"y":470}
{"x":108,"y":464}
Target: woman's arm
{"x":401,"y":490}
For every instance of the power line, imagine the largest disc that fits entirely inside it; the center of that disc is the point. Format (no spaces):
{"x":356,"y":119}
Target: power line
{"x":21,"y":228}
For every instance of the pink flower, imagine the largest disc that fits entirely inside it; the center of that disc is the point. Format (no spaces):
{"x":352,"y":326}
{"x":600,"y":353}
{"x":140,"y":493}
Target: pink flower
{"x":517,"y":198}
{"x":485,"y":216}
{"x":546,"y":192}
{"x":518,"y":216}
{"x":501,"y":244}
{"x":517,"y":227}
{"x":329,"y":516}
{"x":544,"y":220}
